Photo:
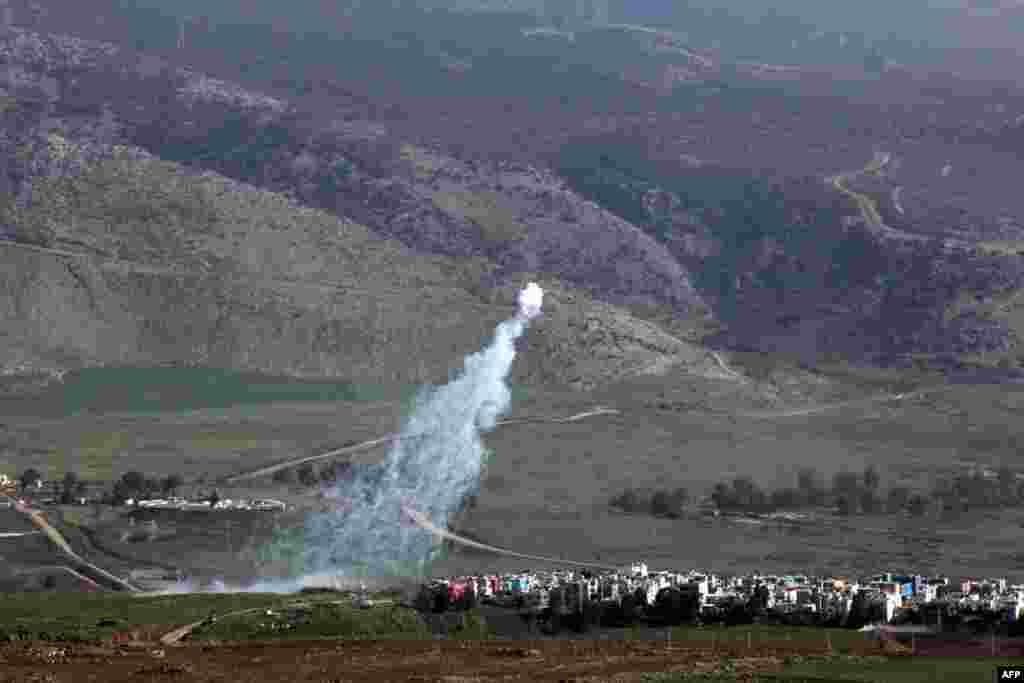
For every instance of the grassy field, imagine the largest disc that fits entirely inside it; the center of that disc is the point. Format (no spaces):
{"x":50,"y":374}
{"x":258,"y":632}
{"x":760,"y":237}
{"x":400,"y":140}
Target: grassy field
{"x":326,"y":619}
{"x":756,"y":634}
{"x":94,"y":616}
{"x":843,"y":669}
{"x":895,"y":669}
{"x":48,"y":615}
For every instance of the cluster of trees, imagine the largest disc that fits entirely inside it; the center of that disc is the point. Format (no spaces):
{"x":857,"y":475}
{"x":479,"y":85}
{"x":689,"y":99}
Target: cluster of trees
{"x":138,"y":486}
{"x":975,"y":490}
{"x":661,"y":503}
{"x":850,"y":493}
{"x":65,"y":490}
{"x":438,"y":601}
{"x":307,"y":474}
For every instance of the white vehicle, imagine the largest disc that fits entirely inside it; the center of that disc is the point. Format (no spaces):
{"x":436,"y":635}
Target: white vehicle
{"x":268,"y":505}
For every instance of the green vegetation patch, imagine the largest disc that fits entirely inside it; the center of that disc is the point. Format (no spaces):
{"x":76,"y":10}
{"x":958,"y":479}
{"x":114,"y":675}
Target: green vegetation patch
{"x":226,"y":439}
{"x":157,"y":389}
{"x":890,"y":669}
{"x":95,"y":616}
{"x":303,"y":621}
{"x":763,"y":634}
{"x":844,"y":669}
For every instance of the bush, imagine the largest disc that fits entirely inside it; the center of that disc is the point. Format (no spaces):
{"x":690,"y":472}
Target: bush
{"x":630,"y":501}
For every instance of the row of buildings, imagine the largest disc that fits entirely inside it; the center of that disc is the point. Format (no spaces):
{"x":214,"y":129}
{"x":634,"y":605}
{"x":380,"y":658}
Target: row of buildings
{"x":884,"y":597}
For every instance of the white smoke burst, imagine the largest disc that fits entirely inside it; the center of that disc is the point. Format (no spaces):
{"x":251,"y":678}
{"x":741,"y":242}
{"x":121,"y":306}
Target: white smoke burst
{"x":433,"y":465}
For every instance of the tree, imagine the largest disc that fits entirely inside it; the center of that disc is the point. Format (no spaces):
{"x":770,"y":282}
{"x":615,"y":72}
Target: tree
{"x":674,"y":606}
{"x":423,"y":600}
{"x":869,"y":503}
{"x":69,"y":485}
{"x":441,"y":603}
{"x":29,"y":478}
{"x":133,"y":482}
{"x":745,"y":491}
{"x":118,"y":495}
{"x":678,"y":500}
{"x":917,"y":504}
{"x":898,"y":498}
{"x":285,"y":476}
{"x":808,"y":482}
{"x":306,"y":474}
{"x":845,"y":483}
{"x":844,"y":506}
{"x":629,"y":500}
{"x":785,"y":498}
{"x":871,"y":478}
{"x":1007,"y":485}
{"x":721,"y":496}
{"x":660,"y":503}
{"x":170,"y":484}
{"x":327,"y":475}
{"x":629,"y":609}
{"x":556,"y":602}
{"x":467,"y":600}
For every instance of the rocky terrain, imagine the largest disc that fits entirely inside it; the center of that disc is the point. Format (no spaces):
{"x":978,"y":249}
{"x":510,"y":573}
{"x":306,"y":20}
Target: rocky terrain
{"x":120,"y":257}
{"x":726,"y":223}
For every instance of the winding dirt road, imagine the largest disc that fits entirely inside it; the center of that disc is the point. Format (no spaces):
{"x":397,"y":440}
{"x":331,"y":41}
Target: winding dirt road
{"x":867,"y":206}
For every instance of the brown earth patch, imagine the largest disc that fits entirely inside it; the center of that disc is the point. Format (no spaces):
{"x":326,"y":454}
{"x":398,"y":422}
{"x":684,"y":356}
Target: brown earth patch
{"x":420,"y":660}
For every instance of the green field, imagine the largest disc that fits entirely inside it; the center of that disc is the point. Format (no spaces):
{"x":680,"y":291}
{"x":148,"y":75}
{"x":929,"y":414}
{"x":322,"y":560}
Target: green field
{"x":88,"y":616}
{"x":322,"y":619}
{"x":172,"y":389}
{"x":175,"y":389}
{"x":98,"y":615}
{"x":852,"y":669}
{"x":896,"y":669}
{"x":838,"y":638}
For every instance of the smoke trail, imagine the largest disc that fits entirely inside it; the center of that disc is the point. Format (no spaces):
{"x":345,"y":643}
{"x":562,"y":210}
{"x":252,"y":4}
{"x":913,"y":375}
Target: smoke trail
{"x":365,"y":534}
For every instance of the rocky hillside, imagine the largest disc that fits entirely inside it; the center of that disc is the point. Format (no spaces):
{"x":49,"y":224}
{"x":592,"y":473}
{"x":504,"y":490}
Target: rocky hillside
{"x":115,"y":255}
{"x":788,"y":264}
{"x":515,"y":215}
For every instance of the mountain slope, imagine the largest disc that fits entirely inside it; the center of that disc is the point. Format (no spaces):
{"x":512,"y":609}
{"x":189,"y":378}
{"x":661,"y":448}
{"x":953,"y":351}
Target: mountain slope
{"x":119,"y":257}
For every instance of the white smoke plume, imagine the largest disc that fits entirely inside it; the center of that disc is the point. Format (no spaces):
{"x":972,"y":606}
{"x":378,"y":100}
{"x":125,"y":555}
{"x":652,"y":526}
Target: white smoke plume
{"x":432,"y":473}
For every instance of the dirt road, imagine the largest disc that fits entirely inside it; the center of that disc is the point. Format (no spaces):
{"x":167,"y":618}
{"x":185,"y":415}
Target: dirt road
{"x":77,"y":562}
{"x":421,"y":521}
{"x":389,"y":438}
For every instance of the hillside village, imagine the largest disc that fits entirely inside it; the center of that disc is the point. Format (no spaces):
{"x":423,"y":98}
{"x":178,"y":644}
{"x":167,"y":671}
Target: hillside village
{"x":912,"y":603}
